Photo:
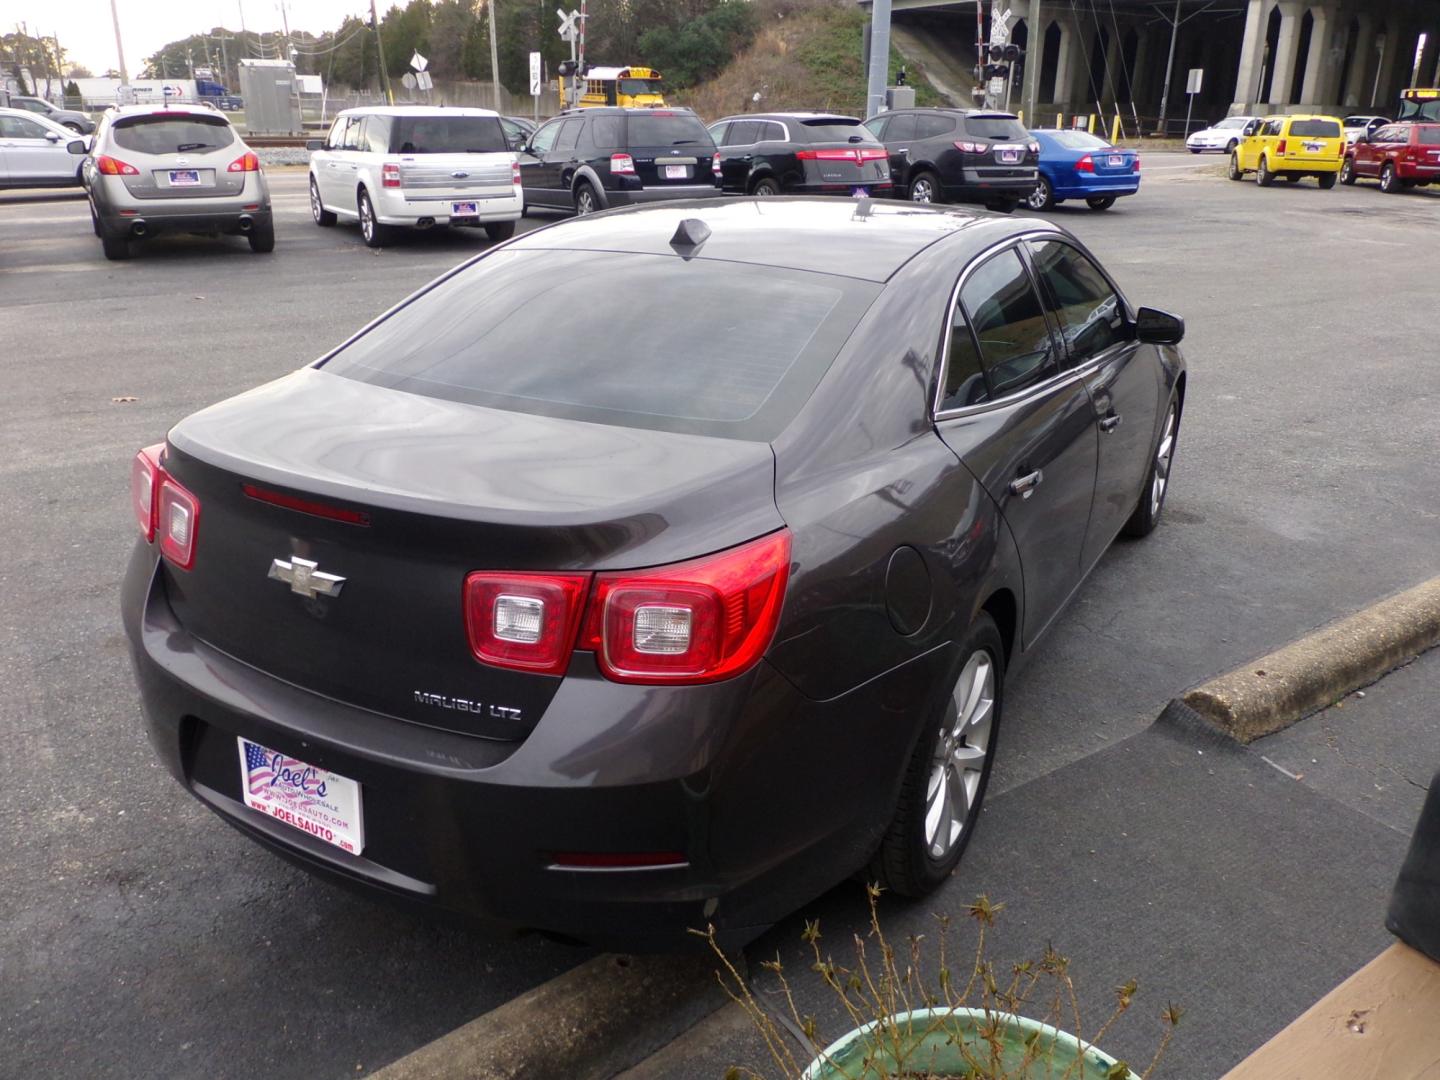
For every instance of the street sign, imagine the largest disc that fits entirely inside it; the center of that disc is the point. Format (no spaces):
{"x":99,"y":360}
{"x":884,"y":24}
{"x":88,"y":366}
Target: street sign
{"x":418,"y":62}
{"x":204,"y":73}
{"x":424,"y":81}
{"x":408,"y":81}
{"x":1000,"y":28}
{"x":535,"y":80}
{"x":997,"y":87}
{"x":568,"y":30}
{"x":1193,"y":83}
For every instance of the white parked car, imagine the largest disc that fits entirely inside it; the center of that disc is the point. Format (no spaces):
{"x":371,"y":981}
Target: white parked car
{"x":1220,"y":137}
{"x":1355,"y":126}
{"x":36,"y":152}
{"x":419,"y":166}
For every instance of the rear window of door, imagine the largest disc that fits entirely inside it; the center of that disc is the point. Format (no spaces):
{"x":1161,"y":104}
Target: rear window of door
{"x":933,"y":127}
{"x":569,"y":135}
{"x":660,"y":130}
{"x":770,"y":131}
{"x":607,"y":132}
{"x":743,"y":133}
{"x":448,"y":135}
{"x":21,"y":127}
{"x":1001,"y":306}
{"x":159,"y":134}
{"x":1090,"y":313}
{"x":901,"y":129}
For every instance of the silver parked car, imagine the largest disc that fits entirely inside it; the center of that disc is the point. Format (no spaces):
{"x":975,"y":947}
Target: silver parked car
{"x":37,"y":153}
{"x":174,"y":168}
{"x":77,"y":122}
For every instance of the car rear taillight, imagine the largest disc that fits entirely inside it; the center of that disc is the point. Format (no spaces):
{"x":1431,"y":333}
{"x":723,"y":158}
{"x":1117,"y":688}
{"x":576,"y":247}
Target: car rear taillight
{"x":622,"y":164}
{"x":246,"y":162}
{"x":1135,"y":165}
{"x":110,"y":166}
{"x":715,"y":164}
{"x":1033,"y":147}
{"x":1280,"y":147}
{"x":699,"y":621}
{"x":857,"y":155}
{"x":515,"y":173}
{"x":390,"y":174}
{"x":972,"y":147}
{"x":163,"y":508}
{"x":524,"y":621}
{"x":1085,"y":164}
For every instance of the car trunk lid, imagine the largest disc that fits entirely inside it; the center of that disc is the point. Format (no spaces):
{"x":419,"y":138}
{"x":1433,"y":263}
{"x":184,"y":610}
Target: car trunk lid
{"x":670,"y":149}
{"x":179,"y":155}
{"x":402,"y":496}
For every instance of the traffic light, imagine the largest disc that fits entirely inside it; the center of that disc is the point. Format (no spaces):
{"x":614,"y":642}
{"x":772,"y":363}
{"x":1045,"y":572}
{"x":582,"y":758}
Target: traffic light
{"x":997,"y":71}
{"x":566,"y":68}
{"x":900,"y":77}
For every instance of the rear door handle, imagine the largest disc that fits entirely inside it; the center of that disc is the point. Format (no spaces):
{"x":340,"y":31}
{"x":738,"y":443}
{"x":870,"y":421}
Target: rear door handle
{"x":1025,"y":486}
{"x":903,"y":150}
{"x":1110,"y":423}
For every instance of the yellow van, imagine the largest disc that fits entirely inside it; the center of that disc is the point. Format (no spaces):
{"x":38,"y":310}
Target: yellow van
{"x":1292,"y":147}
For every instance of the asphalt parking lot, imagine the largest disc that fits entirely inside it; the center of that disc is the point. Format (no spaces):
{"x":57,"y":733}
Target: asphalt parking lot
{"x":143,"y":937}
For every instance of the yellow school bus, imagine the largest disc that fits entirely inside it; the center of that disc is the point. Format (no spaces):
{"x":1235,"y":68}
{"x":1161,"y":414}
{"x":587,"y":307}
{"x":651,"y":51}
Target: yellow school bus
{"x":633,"y":87}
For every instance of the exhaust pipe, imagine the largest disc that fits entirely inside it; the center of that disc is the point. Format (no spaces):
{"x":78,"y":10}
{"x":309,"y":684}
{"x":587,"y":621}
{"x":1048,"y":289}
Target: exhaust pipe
{"x":245,"y":223}
{"x":425,"y":223}
{"x":138,"y":229}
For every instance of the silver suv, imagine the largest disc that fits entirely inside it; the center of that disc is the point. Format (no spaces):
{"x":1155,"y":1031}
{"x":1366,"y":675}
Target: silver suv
{"x":174,"y":168}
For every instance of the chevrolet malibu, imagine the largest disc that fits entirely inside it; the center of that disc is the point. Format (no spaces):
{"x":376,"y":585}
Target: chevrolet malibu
{"x":672,"y":606}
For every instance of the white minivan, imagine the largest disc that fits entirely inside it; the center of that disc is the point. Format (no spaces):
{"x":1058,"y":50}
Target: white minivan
{"x":415,"y":165}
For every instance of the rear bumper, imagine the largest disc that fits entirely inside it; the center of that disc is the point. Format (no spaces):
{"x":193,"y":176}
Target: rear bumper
{"x":393,"y":208}
{"x":877,"y":188}
{"x":1409,"y":170}
{"x":119,"y":211}
{"x":771,"y":798}
{"x":975,"y":184}
{"x":1097,"y":188}
{"x":661,"y":194}
{"x":1308,"y":167}
{"x":147,"y":224}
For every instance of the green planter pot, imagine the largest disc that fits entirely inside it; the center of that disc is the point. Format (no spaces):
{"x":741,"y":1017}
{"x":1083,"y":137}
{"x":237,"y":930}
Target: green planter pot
{"x":932,"y":1037}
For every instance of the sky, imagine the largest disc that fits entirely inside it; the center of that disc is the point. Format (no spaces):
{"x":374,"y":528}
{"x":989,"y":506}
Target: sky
{"x":87,"y":34}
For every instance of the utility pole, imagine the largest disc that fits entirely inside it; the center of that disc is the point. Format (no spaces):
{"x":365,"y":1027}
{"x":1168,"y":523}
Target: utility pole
{"x":494,"y":55}
{"x":1169,"y":71}
{"x":879,"y":56}
{"x":119,"y":48}
{"x":380,"y":50}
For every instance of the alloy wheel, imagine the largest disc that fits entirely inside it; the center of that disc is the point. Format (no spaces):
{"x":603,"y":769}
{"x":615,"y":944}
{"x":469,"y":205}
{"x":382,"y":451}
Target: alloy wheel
{"x":961,"y":751}
{"x":921,"y":191}
{"x":1039,"y":199}
{"x":367,"y":219}
{"x":315,"y":208}
{"x":1387,"y":179}
{"x":1163,"y":453}
{"x":584,"y":201}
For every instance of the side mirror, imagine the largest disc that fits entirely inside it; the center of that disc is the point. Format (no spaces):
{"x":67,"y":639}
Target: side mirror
{"x":314,"y":144}
{"x":1158,"y":327}
{"x":52,"y":136}
{"x":77,"y":147}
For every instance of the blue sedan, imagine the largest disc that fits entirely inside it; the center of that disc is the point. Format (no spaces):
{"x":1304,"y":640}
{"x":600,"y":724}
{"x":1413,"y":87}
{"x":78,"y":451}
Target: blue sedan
{"x":1078,"y":165}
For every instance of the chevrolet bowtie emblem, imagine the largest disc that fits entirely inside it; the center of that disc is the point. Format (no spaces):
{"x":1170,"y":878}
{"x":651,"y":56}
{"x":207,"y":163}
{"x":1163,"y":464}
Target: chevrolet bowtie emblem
{"x":304,"y":577}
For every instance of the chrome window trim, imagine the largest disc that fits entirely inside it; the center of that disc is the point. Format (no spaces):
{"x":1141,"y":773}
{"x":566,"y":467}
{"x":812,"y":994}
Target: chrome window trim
{"x":1055,"y":382}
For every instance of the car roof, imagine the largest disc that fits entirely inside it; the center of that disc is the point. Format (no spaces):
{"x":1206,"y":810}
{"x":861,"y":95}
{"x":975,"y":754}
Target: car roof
{"x":869,"y":239}
{"x":415,"y":110}
{"x":158,"y":107}
{"x":626,"y":110}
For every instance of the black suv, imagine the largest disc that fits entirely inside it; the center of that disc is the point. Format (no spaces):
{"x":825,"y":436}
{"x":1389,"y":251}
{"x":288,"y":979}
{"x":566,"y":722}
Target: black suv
{"x":800,"y":154}
{"x":593,"y":159}
{"x":940,"y":155}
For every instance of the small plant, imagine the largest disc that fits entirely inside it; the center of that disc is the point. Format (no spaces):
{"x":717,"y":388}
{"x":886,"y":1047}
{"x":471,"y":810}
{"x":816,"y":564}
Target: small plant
{"x":915,"y":1018}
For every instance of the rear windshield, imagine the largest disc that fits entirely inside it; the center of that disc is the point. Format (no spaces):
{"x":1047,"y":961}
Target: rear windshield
{"x":158,"y":134}
{"x":995,"y":127}
{"x":448,"y":135}
{"x":672,"y":130}
{"x":651,"y":341}
{"x":1077,"y":140}
{"x":834,"y":129}
{"x":1315,"y":129}
{"x":1428,"y":136}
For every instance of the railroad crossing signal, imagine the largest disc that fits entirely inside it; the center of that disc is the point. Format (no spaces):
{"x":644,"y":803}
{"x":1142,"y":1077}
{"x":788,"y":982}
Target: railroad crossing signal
{"x":568,"y":30}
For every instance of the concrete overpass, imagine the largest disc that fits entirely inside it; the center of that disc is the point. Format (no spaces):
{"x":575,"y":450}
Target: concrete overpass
{"x":1260,"y":56}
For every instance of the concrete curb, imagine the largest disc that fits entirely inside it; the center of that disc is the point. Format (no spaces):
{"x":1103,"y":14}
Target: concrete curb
{"x":588,"y":1024}
{"x":1289,"y":684}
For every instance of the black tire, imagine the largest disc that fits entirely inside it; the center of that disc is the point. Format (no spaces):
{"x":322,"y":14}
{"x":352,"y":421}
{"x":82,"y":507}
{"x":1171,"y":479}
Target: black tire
{"x":905,"y":863}
{"x":1193,"y":150}
{"x":74,"y":127}
{"x":1043,"y":197}
{"x":1326,"y":180}
{"x":1101,"y":204}
{"x":322,"y":216}
{"x":1389,"y":182}
{"x":766,"y":187}
{"x":94,"y":219}
{"x":1235,"y":173}
{"x":1347,"y":171}
{"x":1263,"y":176}
{"x":1151,"y":507}
{"x":925,"y":188}
{"x":500,"y":230}
{"x":586,"y":201}
{"x":373,"y":232}
{"x":115,"y":247}
{"x":262,"y":237}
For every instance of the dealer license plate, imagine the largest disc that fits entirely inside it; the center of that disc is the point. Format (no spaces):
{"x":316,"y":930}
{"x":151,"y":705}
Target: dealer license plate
{"x":314,"y":801}
{"x":463,"y":209}
{"x":1314,"y":147}
{"x":1115,"y":160}
{"x":675,"y":172}
{"x":860,"y":192}
{"x":184,"y":178}
{"x":1009,"y":157}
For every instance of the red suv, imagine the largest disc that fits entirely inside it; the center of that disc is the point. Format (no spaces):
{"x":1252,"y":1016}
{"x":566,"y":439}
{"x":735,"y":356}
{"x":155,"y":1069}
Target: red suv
{"x":1401,"y":155}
